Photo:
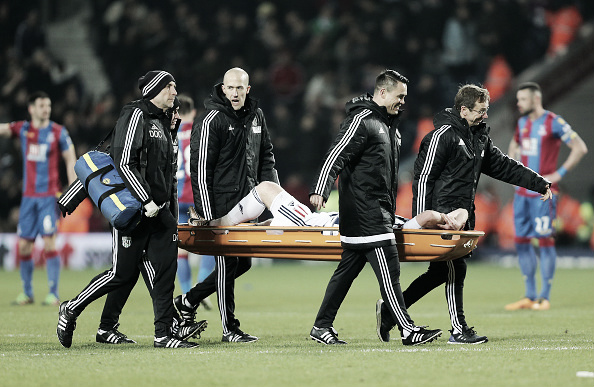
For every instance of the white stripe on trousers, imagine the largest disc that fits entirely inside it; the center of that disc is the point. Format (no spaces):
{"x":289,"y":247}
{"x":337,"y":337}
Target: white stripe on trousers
{"x":389,"y":287}
{"x":150,"y":271}
{"x":221,"y":291}
{"x":92,"y":288}
{"x":451,"y":297}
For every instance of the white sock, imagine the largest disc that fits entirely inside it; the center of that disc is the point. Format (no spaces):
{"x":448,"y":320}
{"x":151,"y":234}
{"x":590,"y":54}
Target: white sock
{"x":248,"y":208}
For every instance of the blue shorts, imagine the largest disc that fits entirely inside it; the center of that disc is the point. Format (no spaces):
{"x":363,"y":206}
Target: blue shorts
{"x":38,"y":216}
{"x":534,"y":218}
{"x":182,"y":212}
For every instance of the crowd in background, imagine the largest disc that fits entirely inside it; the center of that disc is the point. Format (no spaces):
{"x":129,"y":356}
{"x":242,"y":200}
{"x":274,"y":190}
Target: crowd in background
{"x":305,"y":60}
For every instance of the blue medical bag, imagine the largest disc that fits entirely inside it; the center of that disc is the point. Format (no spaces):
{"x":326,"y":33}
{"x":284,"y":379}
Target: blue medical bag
{"x":106,"y":188}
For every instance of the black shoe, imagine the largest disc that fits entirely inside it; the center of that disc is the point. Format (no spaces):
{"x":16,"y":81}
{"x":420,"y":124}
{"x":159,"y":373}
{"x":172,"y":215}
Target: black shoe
{"x":383,"y":330}
{"x":420,"y":335}
{"x":113,"y":336}
{"x":186,"y":331}
{"x":468,"y":336}
{"x":325,"y":336}
{"x":66,"y":325}
{"x":187,"y":313}
{"x":238,"y":336}
{"x":172,"y":342}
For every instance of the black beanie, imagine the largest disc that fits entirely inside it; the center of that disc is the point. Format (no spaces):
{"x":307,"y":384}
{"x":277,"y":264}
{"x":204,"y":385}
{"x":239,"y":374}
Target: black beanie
{"x":153,"y":82}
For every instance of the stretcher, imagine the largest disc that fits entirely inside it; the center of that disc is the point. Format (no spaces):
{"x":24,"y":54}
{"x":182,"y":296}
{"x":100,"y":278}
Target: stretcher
{"x":318,"y":243}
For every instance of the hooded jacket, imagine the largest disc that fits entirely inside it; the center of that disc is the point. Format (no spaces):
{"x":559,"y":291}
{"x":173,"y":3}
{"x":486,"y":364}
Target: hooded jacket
{"x":451,"y":160}
{"x":365,"y":155}
{"x":143,"y":125}
{"x":230,"y":153}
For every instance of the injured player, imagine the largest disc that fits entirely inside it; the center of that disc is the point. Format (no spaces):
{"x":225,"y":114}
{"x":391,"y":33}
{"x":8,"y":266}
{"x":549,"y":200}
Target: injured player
{"x":288,"y":211}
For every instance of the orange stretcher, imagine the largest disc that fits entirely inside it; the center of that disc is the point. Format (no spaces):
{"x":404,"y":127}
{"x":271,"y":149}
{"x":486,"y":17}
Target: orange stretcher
{"x":318,"y":243}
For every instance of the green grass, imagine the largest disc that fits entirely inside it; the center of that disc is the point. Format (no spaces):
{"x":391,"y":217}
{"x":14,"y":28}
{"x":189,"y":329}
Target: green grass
{"x":278,"y":303}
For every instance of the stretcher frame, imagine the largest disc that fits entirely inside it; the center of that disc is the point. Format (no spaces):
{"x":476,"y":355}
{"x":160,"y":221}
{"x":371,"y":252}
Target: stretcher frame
{"x":318,"y":243}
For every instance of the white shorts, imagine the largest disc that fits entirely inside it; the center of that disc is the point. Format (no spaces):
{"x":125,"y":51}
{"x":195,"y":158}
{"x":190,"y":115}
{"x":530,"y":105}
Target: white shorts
{"x":406,"y":224}
{"x":288,"y":211}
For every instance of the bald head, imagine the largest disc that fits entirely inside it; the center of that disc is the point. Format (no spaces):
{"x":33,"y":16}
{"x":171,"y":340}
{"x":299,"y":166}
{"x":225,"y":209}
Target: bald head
{"x":236,"y":87}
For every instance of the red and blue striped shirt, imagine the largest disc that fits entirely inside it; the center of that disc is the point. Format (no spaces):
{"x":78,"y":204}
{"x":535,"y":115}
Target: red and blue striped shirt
{"x":41,"y":149}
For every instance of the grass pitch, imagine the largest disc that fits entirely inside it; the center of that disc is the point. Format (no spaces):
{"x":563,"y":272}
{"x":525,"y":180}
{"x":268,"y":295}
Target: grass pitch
{"x":278,"y":303}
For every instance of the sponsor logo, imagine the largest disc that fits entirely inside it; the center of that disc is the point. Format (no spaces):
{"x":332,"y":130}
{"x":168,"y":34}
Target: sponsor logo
{"x":541,"y":130}
{"x":155,"y":132}
{"x":240,"y":208}
{"x":126,"y":242}
{"x":529,"y":146}
{"x":106,"y":181}
{"x":175,"y":237}
{"x":37,"y":152}
{"x":257,"y":129}
{"x":468,"y":244}
{"x":381,"y":131}
{"x":230,"y":128}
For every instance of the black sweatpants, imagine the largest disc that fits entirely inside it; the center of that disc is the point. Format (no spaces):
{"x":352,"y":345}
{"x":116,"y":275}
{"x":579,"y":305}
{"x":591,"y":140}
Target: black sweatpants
{"x":158,"y":238}
{"x":222,"y":281}
{"x":452,"y":273}
{"x":386,"y":266}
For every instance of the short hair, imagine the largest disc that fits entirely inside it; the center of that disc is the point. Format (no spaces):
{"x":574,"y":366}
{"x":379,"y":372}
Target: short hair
{"x":532,"y":86}
{"x":468,"y":95}
{"x":35,"y":96}
{"x":186,"y":104}
{"x":388,"y":79}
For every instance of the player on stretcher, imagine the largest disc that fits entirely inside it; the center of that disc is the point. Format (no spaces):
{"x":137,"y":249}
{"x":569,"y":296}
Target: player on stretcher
{"x":288,"y":211}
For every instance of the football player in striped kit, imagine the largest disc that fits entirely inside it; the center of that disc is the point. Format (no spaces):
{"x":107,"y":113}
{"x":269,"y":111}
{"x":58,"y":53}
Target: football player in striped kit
{"x":43,"y":143}
{"x":536,"y":142}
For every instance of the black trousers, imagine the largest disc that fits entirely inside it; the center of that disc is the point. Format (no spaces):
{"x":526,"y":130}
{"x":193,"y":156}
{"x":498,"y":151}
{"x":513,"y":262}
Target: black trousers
{"x":386,"y":266}
{"x":152,"y":247}
{"x":452,"y":274}
{"x":222,"y":281}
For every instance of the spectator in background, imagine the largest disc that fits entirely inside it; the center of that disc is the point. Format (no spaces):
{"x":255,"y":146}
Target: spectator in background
{"x":536,"y":143}
{"x":43,"y":143}
{"x":30,"y":35}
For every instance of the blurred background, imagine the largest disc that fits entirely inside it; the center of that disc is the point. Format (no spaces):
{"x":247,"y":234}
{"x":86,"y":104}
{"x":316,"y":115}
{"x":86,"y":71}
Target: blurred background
{"x":306,"y":59}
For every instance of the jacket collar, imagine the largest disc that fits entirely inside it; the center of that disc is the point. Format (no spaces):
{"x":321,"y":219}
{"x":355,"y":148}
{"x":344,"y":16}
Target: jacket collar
{"x":218,"y":101}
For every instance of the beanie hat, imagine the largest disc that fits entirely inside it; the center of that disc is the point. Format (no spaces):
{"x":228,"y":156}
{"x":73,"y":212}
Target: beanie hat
{"x":153,"y":82}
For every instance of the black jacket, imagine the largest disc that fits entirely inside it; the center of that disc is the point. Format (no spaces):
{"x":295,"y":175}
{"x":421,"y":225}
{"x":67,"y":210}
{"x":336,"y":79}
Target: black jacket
{"x":365,"y":154}
{"x":230,"y":153}
{"x":450,"y":162}
{"x":142,"y":124}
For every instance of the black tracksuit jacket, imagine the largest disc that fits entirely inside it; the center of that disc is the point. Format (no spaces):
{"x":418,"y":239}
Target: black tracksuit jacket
{"x":142,"y":124}
{"x":231,"y":153}
{"x":365,"y":154}
{"x":451,"y":160}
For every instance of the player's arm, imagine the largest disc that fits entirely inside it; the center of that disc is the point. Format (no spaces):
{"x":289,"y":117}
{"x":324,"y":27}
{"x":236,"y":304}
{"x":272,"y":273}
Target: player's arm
{"x":513,"y":150}
{"x":69,"y":156}
{"x":578,"y":150}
